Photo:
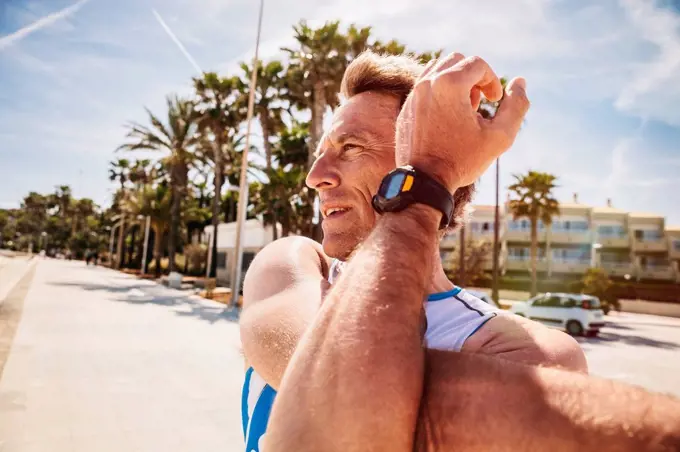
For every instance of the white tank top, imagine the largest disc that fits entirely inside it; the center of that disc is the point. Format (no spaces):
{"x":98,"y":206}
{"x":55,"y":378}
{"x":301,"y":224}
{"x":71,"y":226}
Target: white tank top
{"x":452,"y":317}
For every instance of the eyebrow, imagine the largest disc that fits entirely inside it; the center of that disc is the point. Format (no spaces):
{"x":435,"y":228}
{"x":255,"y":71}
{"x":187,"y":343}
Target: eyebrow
{"x":342,"y":138}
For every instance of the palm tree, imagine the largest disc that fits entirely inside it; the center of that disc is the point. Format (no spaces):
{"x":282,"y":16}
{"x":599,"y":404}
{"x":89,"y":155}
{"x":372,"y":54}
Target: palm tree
{"x":220,"y":111}
{"x":314,"y":73}
{"x":279,"y":198}
{"x":176,"y":138}
{"x":534,"y":200}
{"x":156,"y":203}
{"x":268,"y":107}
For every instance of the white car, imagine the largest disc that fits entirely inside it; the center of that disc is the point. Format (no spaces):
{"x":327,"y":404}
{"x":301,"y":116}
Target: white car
{"x":576,"y":313}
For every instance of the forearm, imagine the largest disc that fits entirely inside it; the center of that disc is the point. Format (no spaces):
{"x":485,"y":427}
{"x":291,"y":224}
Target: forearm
{"x":474,"y":402}
{"x":355,"y":380}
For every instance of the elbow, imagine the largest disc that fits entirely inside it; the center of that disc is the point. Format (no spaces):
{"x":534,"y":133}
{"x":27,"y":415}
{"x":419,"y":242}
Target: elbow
{"x":570,"y":355}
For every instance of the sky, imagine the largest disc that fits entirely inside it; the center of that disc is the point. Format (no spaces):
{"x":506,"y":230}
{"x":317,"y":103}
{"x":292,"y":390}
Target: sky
{"x":603,"y":78}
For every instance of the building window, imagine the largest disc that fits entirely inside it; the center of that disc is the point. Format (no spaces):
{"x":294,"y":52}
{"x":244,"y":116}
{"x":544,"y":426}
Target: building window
{"x":611,"y":231}
{"x":570,"y":226}
{"x":648,"y":235}
{"x":571,"y":255}
{"x":221,"y":259}
{"x":676,"y":245}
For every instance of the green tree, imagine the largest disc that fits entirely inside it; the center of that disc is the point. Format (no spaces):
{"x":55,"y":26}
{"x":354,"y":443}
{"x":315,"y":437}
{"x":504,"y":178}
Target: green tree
{"x":475,"y":255}
{"x":532,"y":198}
{"x":176,"y":139}
{"x":596,"y":282}
{"x":220,"y":111}
{"x":315,"y":69}
{"x":155,"y":202}
{"x":282,"y":197}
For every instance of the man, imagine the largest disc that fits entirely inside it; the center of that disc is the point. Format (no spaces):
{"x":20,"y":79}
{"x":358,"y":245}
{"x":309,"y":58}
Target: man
{"x":290,"y":279}
{"x":357,"y":380}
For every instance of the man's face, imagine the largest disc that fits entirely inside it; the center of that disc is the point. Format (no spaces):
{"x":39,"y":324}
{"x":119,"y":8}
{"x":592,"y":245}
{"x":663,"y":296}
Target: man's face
{"x":352,"y":158}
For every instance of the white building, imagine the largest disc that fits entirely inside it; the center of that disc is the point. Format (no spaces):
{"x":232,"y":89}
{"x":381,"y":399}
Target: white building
{"x":255,"y":237}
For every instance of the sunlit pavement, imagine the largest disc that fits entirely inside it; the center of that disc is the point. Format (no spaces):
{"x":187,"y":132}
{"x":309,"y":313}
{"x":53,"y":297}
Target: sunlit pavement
{"x":638,"y":349}
{"x":105,"y":362}
{"x":11,"y":271}
{"x":102,"y":362}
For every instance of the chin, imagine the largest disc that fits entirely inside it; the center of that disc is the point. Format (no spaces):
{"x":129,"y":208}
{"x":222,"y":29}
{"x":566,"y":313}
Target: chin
{"x":339,"y":246}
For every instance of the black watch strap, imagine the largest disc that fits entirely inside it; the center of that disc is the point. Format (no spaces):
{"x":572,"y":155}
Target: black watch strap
{"x":428,"y":191}
{"x":407,"y":185}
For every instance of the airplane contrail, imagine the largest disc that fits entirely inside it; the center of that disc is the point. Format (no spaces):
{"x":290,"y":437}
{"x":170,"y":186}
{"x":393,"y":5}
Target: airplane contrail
{"x":21,"y":33}
{"x":177,"y":41}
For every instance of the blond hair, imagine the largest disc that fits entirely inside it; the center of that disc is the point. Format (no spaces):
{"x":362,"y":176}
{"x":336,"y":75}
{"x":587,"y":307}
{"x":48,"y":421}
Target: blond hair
{"x":397,"y":75}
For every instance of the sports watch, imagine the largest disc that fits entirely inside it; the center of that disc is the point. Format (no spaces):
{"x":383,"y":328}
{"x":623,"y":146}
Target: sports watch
{"x":407,"y":185}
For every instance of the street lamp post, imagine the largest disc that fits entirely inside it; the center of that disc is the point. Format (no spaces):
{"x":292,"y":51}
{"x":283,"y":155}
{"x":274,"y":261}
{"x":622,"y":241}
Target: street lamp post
{"x":243,"y":189}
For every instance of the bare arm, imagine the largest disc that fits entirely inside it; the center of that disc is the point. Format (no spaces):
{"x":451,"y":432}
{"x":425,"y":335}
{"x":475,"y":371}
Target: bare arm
{"x":474,"y":402}
{"x":340,"y":392}
{"x":515,"y":338}
{"x":282,"y":293}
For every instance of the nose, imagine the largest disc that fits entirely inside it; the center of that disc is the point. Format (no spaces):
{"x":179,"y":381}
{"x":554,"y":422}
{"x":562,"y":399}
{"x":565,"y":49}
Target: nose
{"x":323,"y":174}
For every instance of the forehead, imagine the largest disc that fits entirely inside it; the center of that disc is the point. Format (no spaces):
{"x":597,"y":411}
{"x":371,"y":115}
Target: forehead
{"x":369,"y":113}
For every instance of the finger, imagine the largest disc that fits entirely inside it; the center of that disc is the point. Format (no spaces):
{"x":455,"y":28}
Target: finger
{"x":513,"y":108}
{"x":428,"y":67}
{"x":474,"y":71}
{"x":475,"y":97}
{"x":449,"y":61}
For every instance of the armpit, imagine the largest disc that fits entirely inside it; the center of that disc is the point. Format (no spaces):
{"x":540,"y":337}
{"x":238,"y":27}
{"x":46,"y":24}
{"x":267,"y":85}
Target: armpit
{"x":521,"y":340}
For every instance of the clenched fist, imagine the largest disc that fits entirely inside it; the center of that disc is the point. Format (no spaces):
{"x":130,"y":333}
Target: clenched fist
{"x":439,"y":130}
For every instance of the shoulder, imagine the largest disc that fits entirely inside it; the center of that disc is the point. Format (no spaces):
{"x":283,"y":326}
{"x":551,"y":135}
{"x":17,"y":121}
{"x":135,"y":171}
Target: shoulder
{"x":282,"y":263}
{"x":518,"y":339}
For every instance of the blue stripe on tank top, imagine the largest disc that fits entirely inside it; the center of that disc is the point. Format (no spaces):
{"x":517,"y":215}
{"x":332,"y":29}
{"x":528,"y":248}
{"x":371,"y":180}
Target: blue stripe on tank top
{"x":258,"y":423}
{"x":444,"y":295}
{"x":244,"y":400}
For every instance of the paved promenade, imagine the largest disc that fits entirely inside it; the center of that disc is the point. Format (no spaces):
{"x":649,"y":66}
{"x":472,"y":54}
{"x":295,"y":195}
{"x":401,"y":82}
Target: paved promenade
{"x":104,"y":362}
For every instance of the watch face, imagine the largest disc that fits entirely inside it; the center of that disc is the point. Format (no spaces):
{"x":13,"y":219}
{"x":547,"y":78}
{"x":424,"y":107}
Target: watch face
{"x":394,"y":185}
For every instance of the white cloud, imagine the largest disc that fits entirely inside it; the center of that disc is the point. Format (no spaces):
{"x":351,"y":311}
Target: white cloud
{"x":653,"y":89}
{"x":43,"y":22}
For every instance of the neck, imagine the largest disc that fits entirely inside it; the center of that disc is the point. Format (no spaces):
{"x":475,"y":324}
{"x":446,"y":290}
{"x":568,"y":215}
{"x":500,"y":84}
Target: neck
{"x":439,"y":282}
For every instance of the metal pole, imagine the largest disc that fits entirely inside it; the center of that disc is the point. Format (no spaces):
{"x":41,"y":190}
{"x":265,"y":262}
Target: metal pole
{"x":146,"y":243}
{"x":496,"y":235}
{"x":210,"y":253}
{"x":243,"y":189}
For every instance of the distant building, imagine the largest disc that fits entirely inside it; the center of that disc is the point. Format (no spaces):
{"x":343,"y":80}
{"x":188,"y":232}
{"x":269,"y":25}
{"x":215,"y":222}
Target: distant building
{"x":255,"y":237}
{"x":632,"y":245}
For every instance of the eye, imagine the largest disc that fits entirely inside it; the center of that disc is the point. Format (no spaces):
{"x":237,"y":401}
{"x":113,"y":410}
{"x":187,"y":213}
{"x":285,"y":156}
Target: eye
{"x":350,"y":146}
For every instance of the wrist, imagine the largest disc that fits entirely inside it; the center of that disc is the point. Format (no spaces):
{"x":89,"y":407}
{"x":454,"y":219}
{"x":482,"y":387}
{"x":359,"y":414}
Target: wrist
{"x":417,"y":217}
{"x":437,"y":170}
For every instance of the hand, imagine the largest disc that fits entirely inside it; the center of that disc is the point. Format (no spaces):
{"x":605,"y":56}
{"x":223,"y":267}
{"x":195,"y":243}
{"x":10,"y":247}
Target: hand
{"x":439,"y":130}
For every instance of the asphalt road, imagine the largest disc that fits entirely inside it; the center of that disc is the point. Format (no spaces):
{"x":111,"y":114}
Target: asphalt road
{"x":102,"y":361}
{"x":638,"y":349}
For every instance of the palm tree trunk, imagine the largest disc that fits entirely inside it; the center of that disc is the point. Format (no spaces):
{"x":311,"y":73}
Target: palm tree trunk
{"x":178,"y":182}
{"x":318,"y":109}
{"x":119,"y":249}
{"x":157,"y":249}
{"x":534,"y":252}
{"x":216,"y":204}
{"x":266,"y":134}
{"x":131,"y":248}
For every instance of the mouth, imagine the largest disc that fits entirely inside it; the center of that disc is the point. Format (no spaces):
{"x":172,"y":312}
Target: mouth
{"x":334,"y":212}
